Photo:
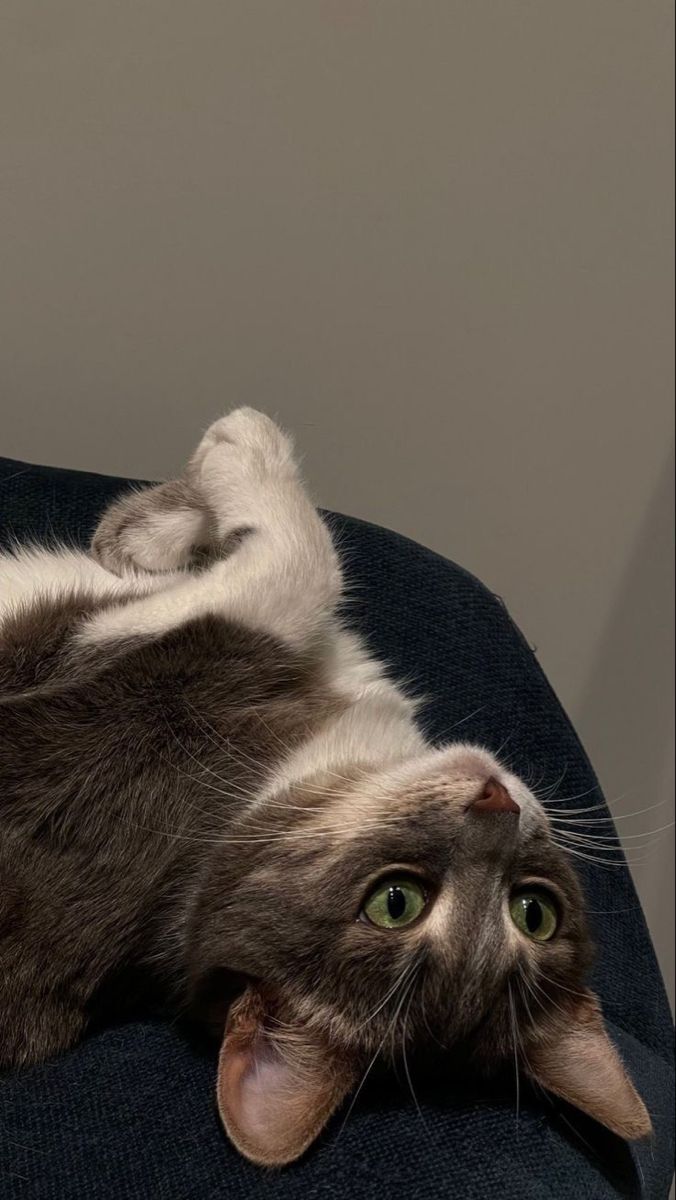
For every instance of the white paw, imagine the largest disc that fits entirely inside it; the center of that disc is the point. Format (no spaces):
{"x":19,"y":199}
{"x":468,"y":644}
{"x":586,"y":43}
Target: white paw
{"x":239,"y":463}
{"x":258,"y":444}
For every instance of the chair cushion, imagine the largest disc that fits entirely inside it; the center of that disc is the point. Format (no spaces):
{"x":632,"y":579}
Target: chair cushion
{"x":130,"y":1115}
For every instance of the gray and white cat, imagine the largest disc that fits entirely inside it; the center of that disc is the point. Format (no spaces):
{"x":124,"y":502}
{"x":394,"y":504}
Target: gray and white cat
{"x":211,"y":793}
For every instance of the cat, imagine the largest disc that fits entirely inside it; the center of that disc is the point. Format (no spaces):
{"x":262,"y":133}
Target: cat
{"x":212,"y":793}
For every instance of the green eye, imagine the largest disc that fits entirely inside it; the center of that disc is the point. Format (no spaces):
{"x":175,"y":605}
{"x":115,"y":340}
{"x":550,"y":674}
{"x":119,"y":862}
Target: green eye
{"x":534,"y":913}
{"x":395,"y":903}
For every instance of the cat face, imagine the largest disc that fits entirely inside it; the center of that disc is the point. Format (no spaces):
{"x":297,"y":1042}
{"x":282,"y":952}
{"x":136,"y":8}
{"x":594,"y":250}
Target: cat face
{"x":424,"y":906}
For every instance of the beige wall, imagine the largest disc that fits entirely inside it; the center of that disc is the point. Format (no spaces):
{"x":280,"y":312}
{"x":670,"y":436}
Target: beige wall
{"x":433,"y":237}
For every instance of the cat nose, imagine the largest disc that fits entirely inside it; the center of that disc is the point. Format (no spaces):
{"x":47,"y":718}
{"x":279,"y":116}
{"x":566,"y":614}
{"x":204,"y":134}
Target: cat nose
{"x":494,"y":798}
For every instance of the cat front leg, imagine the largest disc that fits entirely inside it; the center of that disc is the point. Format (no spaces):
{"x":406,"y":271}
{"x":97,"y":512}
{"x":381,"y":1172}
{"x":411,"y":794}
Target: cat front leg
{"x":282,"y":577}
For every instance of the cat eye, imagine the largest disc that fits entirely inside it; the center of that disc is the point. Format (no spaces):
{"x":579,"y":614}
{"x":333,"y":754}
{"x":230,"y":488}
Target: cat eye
{"x":534,"y":912}
{"x":395,"y":903}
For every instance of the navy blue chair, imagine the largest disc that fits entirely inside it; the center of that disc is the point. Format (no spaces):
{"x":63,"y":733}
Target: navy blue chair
{"x":130,"y":1114}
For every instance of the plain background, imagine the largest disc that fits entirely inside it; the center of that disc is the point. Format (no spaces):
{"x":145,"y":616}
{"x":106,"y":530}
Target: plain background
{"x":434,"y":238}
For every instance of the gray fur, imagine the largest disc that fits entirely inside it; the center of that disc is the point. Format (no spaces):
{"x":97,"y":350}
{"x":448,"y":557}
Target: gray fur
{"x":142,"y":859}
{"x":111,"y":802}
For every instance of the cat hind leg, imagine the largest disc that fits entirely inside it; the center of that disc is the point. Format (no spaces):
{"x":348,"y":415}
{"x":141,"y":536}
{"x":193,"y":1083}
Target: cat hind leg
{"x":282,"y":577}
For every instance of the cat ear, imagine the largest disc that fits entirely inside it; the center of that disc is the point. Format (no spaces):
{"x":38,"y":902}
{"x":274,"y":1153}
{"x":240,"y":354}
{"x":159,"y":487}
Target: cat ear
{"x":581,"y":1065}
{"x":276,"y":1089}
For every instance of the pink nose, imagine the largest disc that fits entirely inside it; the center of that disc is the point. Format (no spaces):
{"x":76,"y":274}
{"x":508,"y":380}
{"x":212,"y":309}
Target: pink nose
{"x":494,"y":799}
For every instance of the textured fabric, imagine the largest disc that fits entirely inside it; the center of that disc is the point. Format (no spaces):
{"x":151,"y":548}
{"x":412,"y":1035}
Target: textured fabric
{"x":129,"y":1114}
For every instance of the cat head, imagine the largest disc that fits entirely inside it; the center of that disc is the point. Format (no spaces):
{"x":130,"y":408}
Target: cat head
{"x":422,"y":906}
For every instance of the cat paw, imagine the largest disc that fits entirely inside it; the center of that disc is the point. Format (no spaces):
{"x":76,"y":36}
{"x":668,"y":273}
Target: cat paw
{"x":153,"y":530}
{"x":252,"y":439}
{"x":240,"y":459}
{"x":225,"y":486}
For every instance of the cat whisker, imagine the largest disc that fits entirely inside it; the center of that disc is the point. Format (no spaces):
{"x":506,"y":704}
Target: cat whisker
{"x":638,"y":851}
{"x":236,"y":755}
{"x":543,"y":996}
{"x":519,"y":979}
{"x":602,"y":841}
{"x":522,"y":980}
{"x":553,"y":788}
{"x":405,"y":1058}
{"x":575,"y":831}
{"x":404,"y":995}
{"x":239,"y":755}
{"x":203,"y":767}
{"x":256,"y":840}
{"x":630,"y":855}
{"x":577,"y":811}
{"x":387,"y":997}
{"x":368,"y":1070}
{"x":578,"y":796}
{"x":601,"y":862}
{"x":624,"y":837}
{"x":234,"y":793}
{"x":611,"y":912}
{"x":575,"y":814}
{"x":562,"y":987}
{"x":517,"y":1079}
{"x":469,"y":716}
{"x":431,"y":1033}
{"x":286,"y":750}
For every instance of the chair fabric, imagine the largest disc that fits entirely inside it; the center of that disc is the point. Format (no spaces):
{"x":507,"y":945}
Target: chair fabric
{"x":129,"y":1114}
